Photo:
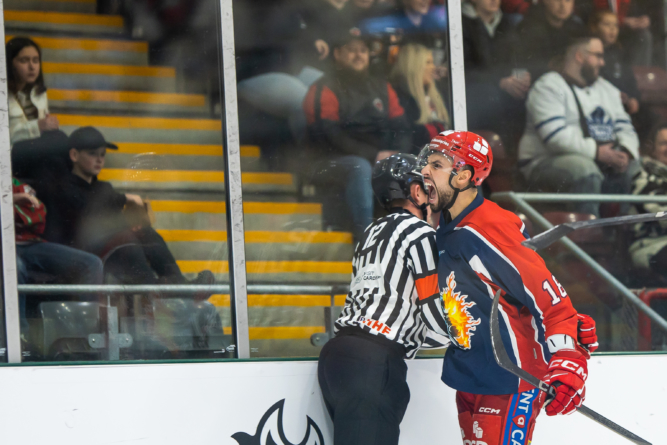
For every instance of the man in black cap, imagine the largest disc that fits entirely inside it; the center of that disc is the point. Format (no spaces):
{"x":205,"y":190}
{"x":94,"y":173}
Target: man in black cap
{"x":354,"y":120}
{"x":89,"y":214}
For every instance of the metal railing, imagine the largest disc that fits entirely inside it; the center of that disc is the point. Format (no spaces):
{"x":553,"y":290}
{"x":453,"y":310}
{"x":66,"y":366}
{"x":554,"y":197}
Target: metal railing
{"x":112,"y":340}
{"x":522,"y":200}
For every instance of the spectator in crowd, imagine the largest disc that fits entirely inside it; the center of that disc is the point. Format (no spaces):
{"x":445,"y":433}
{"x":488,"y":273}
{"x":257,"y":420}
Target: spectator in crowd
{"x":33,"y":132}
{"x":28,"y":105}
{"x":298,"y":38}
{"x":360,"y":10}
{"x":578,"y":137}
{"x":419,"y":17}
{"x":86,"y":213}
{"x":616,"y":69}
{"x":649,"y":249}
{"x":635,"y":33}
{"x":515,"y":6}
{"x":413,"y":78}
{"x":496,"y":87}
{"x":354,"y":120}
{"x":38,"y":257}
{"x":416,"y":21}
{"x":545,"y":33}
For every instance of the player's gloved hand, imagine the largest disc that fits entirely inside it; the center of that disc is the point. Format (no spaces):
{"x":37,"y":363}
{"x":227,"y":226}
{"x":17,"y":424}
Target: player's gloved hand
{"x":586,"y":334}
{"x":567,"y":373}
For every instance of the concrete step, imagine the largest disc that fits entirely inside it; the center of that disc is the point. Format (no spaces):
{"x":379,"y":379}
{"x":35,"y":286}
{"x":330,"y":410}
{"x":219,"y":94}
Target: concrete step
{"x":127,"y":102}
{"x":71,"y":76}
{"x":148,"y":129}
{"x":81,"y":6}
{"x":73,"y":50}
{"x":202,"y":181}
{"x":63,"y":22}
{"x":335,"y":272}
{"x":181,"y":157}
{"x":210,"y":215}
{"x":261,"y":245}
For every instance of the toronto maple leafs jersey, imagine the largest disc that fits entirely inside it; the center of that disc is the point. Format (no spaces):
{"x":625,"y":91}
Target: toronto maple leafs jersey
{"x":394,"y":263}
{"x":480,"y":252}
{"x":553,"y":125}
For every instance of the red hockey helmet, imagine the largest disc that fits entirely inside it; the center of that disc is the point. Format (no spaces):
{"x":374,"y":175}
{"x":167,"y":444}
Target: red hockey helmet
{"x":462,"y":148}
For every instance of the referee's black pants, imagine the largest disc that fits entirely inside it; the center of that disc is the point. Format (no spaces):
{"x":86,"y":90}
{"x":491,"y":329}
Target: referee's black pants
{"x":363,"y":379}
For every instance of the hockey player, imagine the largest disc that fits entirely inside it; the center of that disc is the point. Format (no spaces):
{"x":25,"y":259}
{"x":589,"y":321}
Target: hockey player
{"x":480,"y":251}
{"x":362,"y":371}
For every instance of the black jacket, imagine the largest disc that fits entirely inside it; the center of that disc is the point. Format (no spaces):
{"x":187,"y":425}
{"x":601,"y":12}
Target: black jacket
{"x":618,"y":71}
{"x":351,"y":114}
{"x":489,"y":58}
{"x":81,"y":215}
{"x":280,"y":36}
{"x":540,"y":42}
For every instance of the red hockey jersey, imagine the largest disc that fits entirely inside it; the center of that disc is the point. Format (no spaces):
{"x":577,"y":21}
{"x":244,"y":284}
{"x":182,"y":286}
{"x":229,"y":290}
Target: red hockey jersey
{"x":480,"y":252}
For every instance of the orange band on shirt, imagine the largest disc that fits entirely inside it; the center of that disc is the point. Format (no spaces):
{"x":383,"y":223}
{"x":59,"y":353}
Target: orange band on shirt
{"x":427,"y":286}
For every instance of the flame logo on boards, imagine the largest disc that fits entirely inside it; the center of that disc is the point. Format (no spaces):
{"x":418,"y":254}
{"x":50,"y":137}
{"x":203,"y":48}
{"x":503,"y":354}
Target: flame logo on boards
{"x":270,"y":430}
{"x":459,"y":321}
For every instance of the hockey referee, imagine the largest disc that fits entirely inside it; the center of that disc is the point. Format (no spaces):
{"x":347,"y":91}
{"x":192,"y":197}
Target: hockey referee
{"x":362,"y":370}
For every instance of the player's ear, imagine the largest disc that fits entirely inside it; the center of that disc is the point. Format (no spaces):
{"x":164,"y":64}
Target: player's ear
{"x":463,"y":178}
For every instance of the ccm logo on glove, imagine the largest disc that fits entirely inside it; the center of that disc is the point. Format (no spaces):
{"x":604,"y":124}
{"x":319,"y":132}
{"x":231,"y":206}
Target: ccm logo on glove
{"x":567,"y":375}
{"x":568,"y":365}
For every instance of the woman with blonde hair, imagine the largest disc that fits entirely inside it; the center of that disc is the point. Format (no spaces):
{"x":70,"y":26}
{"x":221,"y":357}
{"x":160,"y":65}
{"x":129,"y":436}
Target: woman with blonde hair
{"x":413,"y":78}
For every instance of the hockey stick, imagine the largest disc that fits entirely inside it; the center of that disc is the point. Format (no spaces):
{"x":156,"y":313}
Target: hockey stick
{"x":506,"y":363}
{"x":552,"y":235}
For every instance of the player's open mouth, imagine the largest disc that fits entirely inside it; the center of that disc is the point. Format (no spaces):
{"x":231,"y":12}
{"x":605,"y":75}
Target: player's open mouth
{"x":432,"y":192}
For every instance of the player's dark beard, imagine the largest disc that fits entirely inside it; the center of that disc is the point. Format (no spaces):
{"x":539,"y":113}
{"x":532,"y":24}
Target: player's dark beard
{"x":444,"y":196}
{"x":589,"y":74}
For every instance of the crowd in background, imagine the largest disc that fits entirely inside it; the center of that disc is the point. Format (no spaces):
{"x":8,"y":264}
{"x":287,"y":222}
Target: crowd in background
{"x":70,"y":227}
{"x":358,"y":80}
{"x":342,"y":84}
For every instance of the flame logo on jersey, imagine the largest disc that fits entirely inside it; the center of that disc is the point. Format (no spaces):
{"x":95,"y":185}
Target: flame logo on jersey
{"x":459,"y":321}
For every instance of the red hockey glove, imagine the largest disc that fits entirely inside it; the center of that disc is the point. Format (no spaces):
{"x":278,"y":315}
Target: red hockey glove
{"x":567,"y":373}
{"x":586,"y":334}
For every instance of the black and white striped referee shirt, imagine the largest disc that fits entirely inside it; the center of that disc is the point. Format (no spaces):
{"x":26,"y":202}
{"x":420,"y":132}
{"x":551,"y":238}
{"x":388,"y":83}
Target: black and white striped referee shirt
{"x":394,"y":262}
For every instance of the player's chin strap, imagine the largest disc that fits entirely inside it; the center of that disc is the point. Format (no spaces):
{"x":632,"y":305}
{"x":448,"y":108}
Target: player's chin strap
{"x":456,"y":191}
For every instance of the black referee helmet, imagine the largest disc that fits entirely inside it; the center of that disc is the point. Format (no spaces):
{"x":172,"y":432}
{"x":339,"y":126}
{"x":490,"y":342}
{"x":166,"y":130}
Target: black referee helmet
{"x":393,"y":176}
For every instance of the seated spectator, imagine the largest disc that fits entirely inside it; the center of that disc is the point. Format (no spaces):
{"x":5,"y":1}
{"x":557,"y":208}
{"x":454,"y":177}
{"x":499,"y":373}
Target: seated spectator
{"x":354,"y":120}
{"x":360,"y":10}
{"x":413,"y":78}
{"x":36,"y":256}
{"x":515,"y":6}
{"x":649,"y":249}
{"x":33,"y":132}
{"x":578,"y":137}
{"x":419,"y":17}
{"x":298,"y":38}
{"x":88,"y":214}
{"x":616,"y":70}
{"x":495,"y":86}
{"x":416,"y":21}
{"x":545,"y":33}
{"x":635,"y":33}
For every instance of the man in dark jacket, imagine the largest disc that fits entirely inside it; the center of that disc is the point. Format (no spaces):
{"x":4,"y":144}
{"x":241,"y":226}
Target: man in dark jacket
{"x":89,"y":214}
{"x":546,"y":32}
{"x":354,"y":120}
{"x":496,"y":85}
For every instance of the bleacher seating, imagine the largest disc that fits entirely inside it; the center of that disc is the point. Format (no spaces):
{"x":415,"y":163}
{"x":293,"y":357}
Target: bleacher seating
{"x":171,"y":153}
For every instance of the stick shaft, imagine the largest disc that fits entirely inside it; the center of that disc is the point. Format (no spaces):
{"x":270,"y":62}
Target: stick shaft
{"x":504,"y":361}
